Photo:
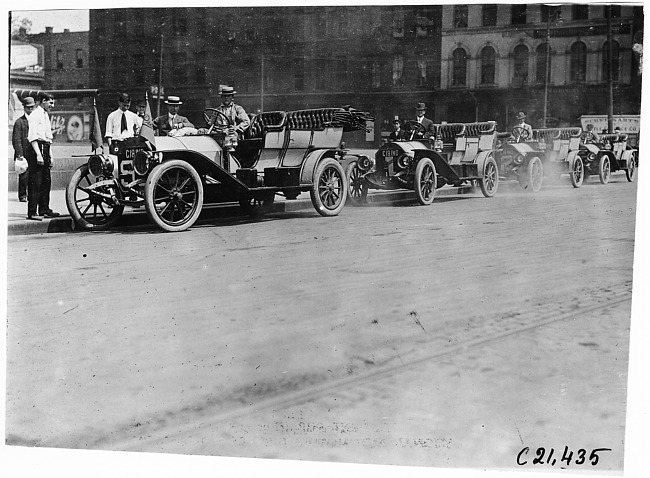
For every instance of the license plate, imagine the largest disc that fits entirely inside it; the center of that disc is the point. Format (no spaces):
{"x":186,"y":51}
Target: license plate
{"x":390,"y":153}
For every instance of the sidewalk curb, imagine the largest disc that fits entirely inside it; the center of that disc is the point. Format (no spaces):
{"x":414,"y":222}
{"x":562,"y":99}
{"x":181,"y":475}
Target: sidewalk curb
{"x":139,"y":218}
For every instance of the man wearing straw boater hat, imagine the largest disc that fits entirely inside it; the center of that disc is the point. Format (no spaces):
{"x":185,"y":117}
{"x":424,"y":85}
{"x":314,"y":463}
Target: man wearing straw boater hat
{"x":172,"y":120}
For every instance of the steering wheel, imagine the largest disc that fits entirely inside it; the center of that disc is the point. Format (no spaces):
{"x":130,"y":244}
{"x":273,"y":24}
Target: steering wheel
{"x":414,"y":128}
{"x":520,"y":133}
{"x":216,"y":119}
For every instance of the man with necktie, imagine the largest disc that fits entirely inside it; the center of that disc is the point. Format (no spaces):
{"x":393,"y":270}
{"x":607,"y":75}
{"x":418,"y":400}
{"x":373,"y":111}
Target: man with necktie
{"x":427,"y":124}
{"x":121,"y":123}
{"x":163,"y":124}
{"x":39,"y":158}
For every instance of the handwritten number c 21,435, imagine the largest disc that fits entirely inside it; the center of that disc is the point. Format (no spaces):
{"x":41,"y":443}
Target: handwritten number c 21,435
{"x":544,"y":458}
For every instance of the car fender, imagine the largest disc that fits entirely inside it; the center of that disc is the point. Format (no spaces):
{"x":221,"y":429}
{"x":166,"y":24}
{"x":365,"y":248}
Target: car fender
{"x":310,"y":164}
{"x":481,"y":158}
{"x":442,"y":168}
{"x":627,"y":156}
{"x":571,"y":159}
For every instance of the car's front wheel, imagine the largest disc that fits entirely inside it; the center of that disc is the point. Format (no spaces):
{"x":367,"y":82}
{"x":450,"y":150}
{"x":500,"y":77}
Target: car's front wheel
{"x":357,"y":186}
{"x":577,"y":173}
{"x":328,"y":192}
{"x":490,"y":181}
{"x":604,"y":169}
{"x":534,"y":175}
{"x":630,"y":172}
{"x":173,"y":196}
{"x":425,"y":181}
{"x":91,"y":206}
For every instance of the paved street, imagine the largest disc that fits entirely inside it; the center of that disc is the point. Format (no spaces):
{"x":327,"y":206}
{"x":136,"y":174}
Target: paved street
{"x":453,"y":335}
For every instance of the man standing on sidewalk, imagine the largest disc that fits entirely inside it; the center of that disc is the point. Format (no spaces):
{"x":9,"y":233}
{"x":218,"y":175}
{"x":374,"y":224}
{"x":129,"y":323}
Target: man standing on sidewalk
{"x":21,"y":144}
{"x":40,"y":160}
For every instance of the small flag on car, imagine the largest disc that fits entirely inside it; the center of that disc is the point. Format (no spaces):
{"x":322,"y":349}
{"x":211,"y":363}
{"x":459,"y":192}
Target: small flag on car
{"x":96,"y":131}
{"x":147,"y":131}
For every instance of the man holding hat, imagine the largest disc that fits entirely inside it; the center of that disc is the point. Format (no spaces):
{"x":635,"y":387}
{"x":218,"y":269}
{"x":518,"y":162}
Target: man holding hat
{"x":121,"y":123}
{"x":427,"y":124}
{"x":21,"y":144}
{"x":235,"y":113}
{"x":163,"y":124}
{"x":522,"y":130}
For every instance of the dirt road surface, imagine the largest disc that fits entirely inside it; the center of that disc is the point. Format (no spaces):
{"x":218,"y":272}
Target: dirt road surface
{"x":466,"y":334}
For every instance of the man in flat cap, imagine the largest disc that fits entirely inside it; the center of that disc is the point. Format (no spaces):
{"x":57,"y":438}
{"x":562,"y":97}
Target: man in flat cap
{"x":522,"y":130}
{"x":235,"y":113}
{"x":121,"y":123}
{"x":21,"y":144}
{"x":163,"y":124}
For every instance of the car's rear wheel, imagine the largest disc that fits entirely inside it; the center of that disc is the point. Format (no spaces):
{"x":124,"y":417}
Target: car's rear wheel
{"x":328,"y":192}
{"x":258,"y":204}
{"x":604,"y":169}
{"x":630,"y":172}
{"x":357,"y":186}
{"x":425,"y":181}
{"x":91,"y":209}
{"x":489,"y":183}
{"x":173,"y":196}
{"x":577,"y":173}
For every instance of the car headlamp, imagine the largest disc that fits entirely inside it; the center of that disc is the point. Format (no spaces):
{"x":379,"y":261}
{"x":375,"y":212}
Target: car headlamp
{"x":100,"y":165}
{"x":141,"y":162}
{"x":519,"y":158}
{"x":591,"y":156}
{"x":365,"y":163}
{"x":403,"y":161}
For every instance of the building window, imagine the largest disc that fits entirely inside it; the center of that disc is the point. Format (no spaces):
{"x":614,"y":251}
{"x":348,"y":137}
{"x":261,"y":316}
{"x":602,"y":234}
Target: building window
{"x":376,"y":75}
{"x":518,"y":14}
{"x":521,"y":65}
{"x":459,"y":68}
{"x":421,"y":78}
{"x":551,"y":11}
{"x":320,"y":25}
{"x":341,"y":73}
{"x":59,"y":59}
{"x":615,"y":60}
{"x":542,"y":63}
{"x":580,"y":12}
{"x":179,"y":71}
{"x":488,"y":65}
{"x":80,"y":58}
{"x":119,"y":71}
{"x":398,"y":70}
{"x":100,"y":69}
{"x":616,"y":11}
{"x":423,"y":25}
{"x":490,"y":15}
{"x":578,"y":62}
{"x":460,"y":16}
{"x":398,"y":23}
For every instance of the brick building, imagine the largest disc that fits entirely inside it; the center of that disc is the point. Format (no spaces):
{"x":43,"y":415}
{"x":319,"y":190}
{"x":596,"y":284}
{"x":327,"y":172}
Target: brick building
{"x":381,"y":59}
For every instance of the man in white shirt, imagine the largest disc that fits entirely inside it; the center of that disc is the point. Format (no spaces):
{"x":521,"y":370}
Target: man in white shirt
{"x":39,"y":159}
{"x":121,"y":123}
{"x":522,"y":130}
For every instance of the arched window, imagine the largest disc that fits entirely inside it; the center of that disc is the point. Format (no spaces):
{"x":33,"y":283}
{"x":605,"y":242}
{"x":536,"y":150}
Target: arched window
{"x":615,"y":60}
{"x":488,"y":57}
{"x":543,"y":61}
{"x":459,"y":71}
{"x":578,"y":62}
{"x":521,"y":64}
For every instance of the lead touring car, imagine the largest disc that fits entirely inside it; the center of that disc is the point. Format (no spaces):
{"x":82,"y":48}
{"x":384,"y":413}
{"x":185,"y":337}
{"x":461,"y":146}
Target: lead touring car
{"x":462,"y":153}
{"x":282,"y":153}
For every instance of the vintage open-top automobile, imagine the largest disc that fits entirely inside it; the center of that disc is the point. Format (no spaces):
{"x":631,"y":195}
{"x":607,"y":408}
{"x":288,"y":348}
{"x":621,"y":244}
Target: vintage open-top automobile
{"x":520,"y":158}
{"x":560,"y":147}
{"x":463,"y":153}
{"x":611,"y":153}
{"x":281,"y":153}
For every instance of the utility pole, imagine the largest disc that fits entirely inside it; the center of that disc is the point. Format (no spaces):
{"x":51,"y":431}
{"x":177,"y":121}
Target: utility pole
{"x":262,"y":87}
{"x":160,"y":68}
{"x":610,"y":75}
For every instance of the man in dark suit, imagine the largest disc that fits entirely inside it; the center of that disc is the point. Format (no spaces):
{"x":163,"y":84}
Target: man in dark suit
{"x":21,"y":144}
{"x":427,"y":124}
{"x":398,"y":133}
{"x":163,"y":124}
